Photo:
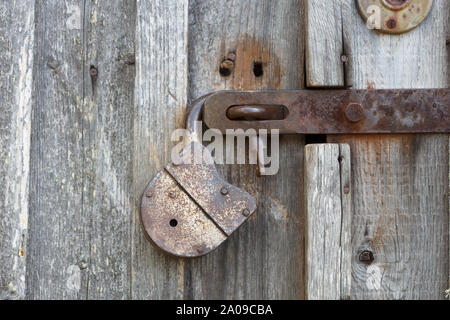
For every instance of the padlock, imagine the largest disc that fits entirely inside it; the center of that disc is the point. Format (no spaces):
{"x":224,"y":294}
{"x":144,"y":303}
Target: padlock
{"x":188,"y":210}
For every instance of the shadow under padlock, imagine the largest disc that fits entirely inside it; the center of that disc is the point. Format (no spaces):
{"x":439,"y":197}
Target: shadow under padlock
{"x":188,"y":210}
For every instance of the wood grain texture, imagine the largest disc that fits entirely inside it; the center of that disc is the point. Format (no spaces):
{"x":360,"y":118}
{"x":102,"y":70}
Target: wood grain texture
{"x":400,"y":182}
{"x":160,"y":102}
{"x":16,"y":71}
{"x":81,"y":191}
{"x":264,"y":258}
{"x":326,"y":44}
{"x":108,"y":146}
{"x":59,"y":231}
{"x":328,"y":221}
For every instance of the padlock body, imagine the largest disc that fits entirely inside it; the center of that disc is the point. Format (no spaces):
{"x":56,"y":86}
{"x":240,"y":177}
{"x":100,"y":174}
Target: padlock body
{"x":187,"y":210}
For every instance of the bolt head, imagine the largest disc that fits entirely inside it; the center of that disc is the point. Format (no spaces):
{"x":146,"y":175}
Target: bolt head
{"x":224,"y":191}
{"x":93,"y":71}
{"x":391,"y":23}
{"x":245,"y":212}
{"x":172,"y":194}
{"x":227,"y":64}
{"x":149,"y":194}
{"x":354,"y":112}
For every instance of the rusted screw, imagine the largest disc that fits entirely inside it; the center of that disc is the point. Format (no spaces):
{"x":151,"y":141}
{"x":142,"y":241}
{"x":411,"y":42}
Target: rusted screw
{"x":226,"y":67}
{"x":227,"y":64}
{"x":391,"y":23}
{"x":245,"y":212}
{"x":149,"y":194}
{"x":354,"y":112}
{"x":366,"y":257}
{"x":346,"y":190}
{"x":224,"y":191}
{"x":93,"y":72}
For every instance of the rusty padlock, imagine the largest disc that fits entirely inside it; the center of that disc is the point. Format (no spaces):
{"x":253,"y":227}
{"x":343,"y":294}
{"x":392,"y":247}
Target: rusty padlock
{"x":188,"y":210}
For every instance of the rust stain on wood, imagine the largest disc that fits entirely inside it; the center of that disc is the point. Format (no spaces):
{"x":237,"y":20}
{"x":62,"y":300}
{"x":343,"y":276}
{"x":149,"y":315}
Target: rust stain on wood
{"x":251,"y":53}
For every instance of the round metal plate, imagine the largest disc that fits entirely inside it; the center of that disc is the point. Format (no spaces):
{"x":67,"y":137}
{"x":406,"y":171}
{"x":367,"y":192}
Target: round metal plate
{"x":394,"y":16}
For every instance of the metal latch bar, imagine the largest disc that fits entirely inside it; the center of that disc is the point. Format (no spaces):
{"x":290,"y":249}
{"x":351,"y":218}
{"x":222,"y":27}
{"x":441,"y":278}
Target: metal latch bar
{"x":331,"y":111}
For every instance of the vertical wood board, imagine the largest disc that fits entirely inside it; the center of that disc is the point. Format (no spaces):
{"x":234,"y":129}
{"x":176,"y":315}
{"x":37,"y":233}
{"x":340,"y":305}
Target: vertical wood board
{"x":80,"y":203}
{"x":325,"y":47}
{"x":160,"y":102}
{"x":16,"y":74}
{"x":328,"y":221}
{"x":264,"y":258}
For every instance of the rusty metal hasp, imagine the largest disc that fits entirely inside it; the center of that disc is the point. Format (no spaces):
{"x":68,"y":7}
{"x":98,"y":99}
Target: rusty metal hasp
{"x":187,"y":210}
{"x":331,"y":111}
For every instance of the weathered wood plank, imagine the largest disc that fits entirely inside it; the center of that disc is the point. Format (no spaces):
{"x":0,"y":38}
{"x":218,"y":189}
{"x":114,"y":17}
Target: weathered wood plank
{"x":400,"y":182}
{"x":59,"y":230}
{"x":16,"y":71}
{"x":81,"y":190}
{"x":328,"y":221}
{"x":160,"y":102}
{"x":264,"y":258}
{"x":108,"y":146}
{"x":325,"y":47}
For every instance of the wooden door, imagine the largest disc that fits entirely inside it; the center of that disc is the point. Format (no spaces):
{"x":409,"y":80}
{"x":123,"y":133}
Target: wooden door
{"x":92,"y":91}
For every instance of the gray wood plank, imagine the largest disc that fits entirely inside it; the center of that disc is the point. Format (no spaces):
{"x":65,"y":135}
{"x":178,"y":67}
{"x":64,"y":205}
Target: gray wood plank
{"x":264,"y":258}
{"x":81,"y":189}
{"x":108,"y":146}
{"x":325,"y":47}
{"x":16,"y":72}
{"x":59,"y":231}
{"x":400,"y":182}
{"x":160,"y":103}
{"x":328,"y":217}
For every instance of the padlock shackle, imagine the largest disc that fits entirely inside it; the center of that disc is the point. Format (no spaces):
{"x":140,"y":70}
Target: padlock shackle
{"x":195,"y":114}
